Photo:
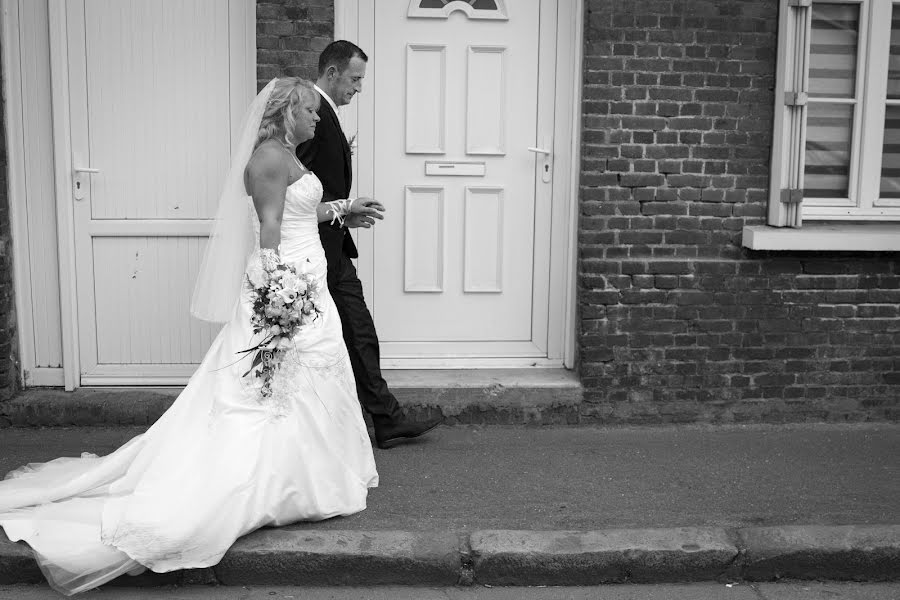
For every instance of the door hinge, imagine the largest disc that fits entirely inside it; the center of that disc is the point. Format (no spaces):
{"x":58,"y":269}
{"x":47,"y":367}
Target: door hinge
{"x":796,"y":98}
{"x":792,"y":196}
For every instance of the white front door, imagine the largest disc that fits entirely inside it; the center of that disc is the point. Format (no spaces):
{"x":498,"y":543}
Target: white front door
{"x":154,"y":90}
{"x":463,"y":112}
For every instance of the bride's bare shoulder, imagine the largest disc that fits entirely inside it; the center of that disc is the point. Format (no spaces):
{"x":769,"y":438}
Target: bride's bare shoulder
{"x":268,"y":156}
{"x":269,"y":163}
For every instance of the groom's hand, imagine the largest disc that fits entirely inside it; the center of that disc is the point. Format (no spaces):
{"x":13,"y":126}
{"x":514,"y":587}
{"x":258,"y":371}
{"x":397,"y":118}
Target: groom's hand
{"x":354,"y":220}
{"x":364,"y":203}
{"x":365,"y":207}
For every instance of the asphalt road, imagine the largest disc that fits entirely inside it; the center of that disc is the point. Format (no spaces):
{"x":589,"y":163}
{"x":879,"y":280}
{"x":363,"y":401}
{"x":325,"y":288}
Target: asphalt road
{"x":491,"y":477}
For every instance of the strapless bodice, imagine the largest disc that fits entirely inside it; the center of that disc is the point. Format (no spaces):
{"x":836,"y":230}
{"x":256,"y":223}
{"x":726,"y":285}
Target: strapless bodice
{"x":299,"y":224}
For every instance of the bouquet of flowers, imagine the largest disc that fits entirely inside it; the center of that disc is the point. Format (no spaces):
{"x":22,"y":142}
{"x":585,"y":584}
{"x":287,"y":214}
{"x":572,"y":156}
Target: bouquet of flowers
{"x":284,"y":300}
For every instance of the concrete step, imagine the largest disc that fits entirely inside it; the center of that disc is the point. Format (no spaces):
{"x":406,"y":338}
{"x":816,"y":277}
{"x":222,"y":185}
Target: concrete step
{"x":781,"y":590}
{"x":471,"y":396}
{"x":535,"y":558}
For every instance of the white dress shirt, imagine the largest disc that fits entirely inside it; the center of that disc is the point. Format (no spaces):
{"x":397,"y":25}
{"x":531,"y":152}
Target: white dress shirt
{"x":333,"y":105}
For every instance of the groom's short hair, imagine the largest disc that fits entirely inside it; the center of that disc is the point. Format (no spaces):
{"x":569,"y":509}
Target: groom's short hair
{"x":338,"y":54}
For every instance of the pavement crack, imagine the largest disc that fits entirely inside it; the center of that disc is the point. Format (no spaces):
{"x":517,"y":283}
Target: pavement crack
{"x":733,"y":569}
{"x":466,"y":560}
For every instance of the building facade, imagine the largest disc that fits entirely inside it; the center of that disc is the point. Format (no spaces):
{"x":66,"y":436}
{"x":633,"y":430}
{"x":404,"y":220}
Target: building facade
{"x":734,"y":253}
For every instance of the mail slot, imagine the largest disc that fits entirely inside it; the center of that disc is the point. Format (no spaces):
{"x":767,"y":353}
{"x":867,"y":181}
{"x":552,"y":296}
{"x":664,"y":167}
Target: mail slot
{"x":471,"y":169}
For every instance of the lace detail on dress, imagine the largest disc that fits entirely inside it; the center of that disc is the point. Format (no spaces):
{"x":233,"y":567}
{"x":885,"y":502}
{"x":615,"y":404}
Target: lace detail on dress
{"x":342,"y":373}
{"x":148,"y":544}
{"x":293,"y":367}
{"x":148,"y":539}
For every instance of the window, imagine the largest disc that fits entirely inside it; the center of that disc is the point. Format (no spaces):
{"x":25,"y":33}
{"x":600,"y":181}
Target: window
{"x":474,"y":9}
{"x":836,"y":152}
{"x":476,"y":4}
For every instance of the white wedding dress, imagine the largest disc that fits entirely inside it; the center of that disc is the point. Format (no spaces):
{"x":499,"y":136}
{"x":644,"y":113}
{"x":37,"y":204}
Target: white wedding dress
{"x":220,"y":462}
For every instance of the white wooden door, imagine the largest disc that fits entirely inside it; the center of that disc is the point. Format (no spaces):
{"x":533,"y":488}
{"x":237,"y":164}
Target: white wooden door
{"x":155,"y":89}
{"x":461,"y":261}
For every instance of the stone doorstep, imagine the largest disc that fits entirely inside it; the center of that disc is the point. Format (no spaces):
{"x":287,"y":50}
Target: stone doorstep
{"x":482,"y":396}
{"x":305,"y":557}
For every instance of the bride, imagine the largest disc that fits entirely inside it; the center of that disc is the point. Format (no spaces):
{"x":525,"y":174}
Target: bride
{"x":225,"y":459}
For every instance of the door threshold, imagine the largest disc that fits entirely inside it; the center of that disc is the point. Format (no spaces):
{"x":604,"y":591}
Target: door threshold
{"x":463,"y":378}
{"x":475,"y":363}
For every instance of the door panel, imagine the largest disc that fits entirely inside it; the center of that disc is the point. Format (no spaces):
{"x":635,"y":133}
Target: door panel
{"x":159,"y":276}
{"x":153,"y":97}
{"x":157,"y":106}
{"x":455,"y":258}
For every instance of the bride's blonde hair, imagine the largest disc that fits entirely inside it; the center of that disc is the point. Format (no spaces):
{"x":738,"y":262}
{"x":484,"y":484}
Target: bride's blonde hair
{"x":278,"y":120}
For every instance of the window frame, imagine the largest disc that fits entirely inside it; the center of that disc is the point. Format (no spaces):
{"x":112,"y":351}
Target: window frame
{"x":863,"y":202}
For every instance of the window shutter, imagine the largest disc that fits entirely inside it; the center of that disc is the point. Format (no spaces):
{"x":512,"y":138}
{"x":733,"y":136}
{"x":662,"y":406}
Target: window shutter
{"x":789,"y":135}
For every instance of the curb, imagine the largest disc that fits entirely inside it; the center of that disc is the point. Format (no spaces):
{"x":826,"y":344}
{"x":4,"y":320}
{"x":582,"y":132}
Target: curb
{"x":17,"y":565}
{"x":552,"y":398}
{"x":609,"y":556}
{"x":852,"y":552}
{"x":506,"y":557}
{"x":341,"y":558}
{"x":56,"y":408}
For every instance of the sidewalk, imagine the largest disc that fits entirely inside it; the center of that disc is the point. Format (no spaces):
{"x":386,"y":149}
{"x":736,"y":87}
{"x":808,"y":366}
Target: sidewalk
{"x":679,"y":591}
{"x":576,"y":506}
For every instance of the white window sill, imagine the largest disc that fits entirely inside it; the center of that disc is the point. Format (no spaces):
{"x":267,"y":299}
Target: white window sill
{"x":873,"y":237}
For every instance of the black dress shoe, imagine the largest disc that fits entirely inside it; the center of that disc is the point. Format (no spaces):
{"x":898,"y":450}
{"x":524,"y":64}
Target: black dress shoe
{"x":388,"y":435}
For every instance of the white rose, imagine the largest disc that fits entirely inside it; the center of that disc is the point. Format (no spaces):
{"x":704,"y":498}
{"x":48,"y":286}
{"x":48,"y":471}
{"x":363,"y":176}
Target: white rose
{"x":290,"y":281}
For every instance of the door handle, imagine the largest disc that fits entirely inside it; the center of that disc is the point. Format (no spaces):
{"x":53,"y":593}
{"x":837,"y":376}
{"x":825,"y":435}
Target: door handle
{"x":544,"y":162}
{"x":79,"y":181}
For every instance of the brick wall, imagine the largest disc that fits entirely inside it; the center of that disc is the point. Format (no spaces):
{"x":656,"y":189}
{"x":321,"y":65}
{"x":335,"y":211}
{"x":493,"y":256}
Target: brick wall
{"x":289,"y":36}
{"x":9,"y":370}
{"x":678,"y":323}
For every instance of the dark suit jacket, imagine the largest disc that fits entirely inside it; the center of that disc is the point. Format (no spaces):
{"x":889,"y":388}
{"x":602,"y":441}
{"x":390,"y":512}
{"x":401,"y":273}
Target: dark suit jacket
{"x":328,"y":156}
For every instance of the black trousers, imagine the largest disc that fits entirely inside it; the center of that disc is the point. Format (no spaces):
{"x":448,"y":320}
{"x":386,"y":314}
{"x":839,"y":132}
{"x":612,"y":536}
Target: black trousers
{"x":362,"y":343}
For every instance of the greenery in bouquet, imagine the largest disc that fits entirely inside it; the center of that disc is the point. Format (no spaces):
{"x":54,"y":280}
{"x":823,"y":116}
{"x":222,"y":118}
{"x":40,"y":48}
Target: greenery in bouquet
{"x":284,"y":299}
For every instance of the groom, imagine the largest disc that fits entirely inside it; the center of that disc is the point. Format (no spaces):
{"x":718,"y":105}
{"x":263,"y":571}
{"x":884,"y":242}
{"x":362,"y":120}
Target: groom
{"x":342,"y":67}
